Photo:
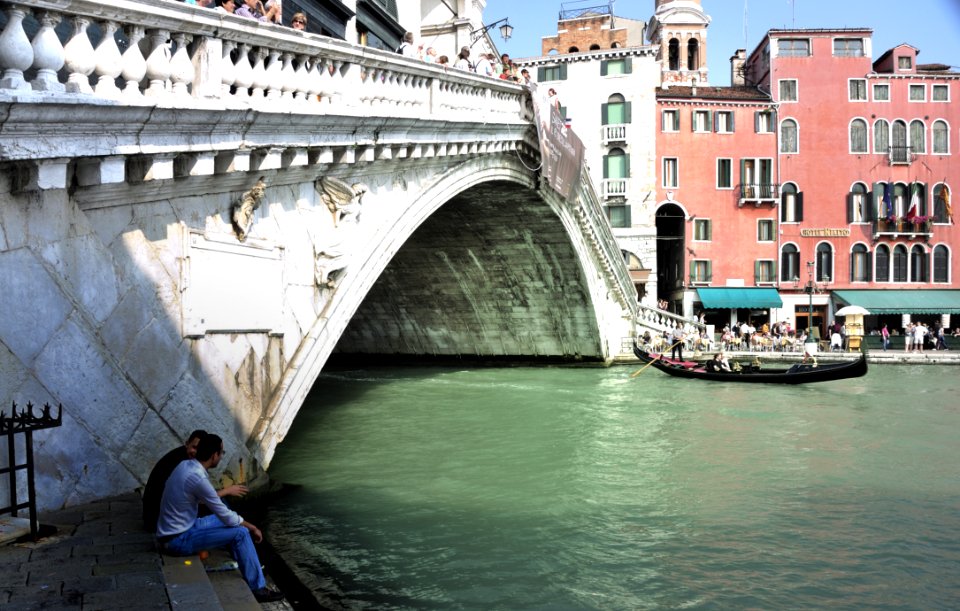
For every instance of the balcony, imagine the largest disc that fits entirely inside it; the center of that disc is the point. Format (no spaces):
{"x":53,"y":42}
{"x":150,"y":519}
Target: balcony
{"x":901,"y":155}
{"x":759,"y":194}
{"x":614,"y":188}
{"x":899,"y":228}
{"x":613,"y":134}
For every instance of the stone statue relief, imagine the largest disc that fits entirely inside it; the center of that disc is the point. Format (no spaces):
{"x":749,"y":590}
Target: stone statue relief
{"x":343,"y":201}
{"x":241,"y":214}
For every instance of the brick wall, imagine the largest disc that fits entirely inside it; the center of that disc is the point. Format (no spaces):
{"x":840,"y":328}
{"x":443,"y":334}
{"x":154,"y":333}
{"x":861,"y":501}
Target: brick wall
{"x":584,"y":32}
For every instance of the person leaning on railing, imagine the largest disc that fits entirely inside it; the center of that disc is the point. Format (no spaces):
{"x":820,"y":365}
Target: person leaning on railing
{"x":299,"y":22}
{"x":254,"y":9}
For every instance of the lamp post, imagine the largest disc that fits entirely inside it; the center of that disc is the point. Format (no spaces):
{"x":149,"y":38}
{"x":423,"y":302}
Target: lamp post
{"x":506,"y":30}
{"x":811,"y":286}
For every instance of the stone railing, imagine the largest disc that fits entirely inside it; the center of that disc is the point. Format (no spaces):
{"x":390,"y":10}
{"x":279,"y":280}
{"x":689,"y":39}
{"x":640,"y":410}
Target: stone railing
{"x":614,"y":187}
{"x":613,"y":133}
{"x":169,"y":54}
{"x":660,"y":321}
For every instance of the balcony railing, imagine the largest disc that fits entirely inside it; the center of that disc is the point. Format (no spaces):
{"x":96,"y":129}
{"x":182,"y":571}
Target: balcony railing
{"x":611,"y":188}
{"x":759,"y":193}
{"x":902,"y":229}
{"x":613,"y":133}
{"x":900,"y":155}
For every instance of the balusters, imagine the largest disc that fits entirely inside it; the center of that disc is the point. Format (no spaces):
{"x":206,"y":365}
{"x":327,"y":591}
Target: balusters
{"x":319,"y":79}
{"x":260,"y":81}
{"x":133,"y":65}
{"x":158,"y":63}
{"x":109,"y":62}
{"x":16,"y":53}
{"x":303,"y":79}
{"x":80,"y":61}
{"x":228,"y":71}
{"x":289,"y":78}
{"x":181,"y":68}
{"x":274,"y":75}
{"x":243,"y":74}
{"x":48,"y":54}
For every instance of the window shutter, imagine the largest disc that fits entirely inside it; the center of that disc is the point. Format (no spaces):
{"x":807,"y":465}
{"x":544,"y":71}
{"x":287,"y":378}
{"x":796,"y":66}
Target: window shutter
{"x":563,"y":72}
{"x":606,"y":166}
{"x":799,"y":206}
{"x":853,"y":266}
{"x":663,"y":120}
{"x":709,"y":231}
{"x":732,"y":115}
{"x":603,"y":68}
{"x":716,"y":120}
{"x":756,"y":272}
{"x":850,"y":205}
{"x":626,"y":112}
{"x":693,"y":120}
{"x":876,"y":210}
{"x":869,"y":264}
{"x":709,"y":271}
{"x":709,"y":122}
{"x":628,"y":65}
{"x":626,"y":166}
{"x":604,"y":114}
{"x":541,"y":74}
{"x":756,"y":121}
{"x":693,"y":271}
{"x":628,"y":222}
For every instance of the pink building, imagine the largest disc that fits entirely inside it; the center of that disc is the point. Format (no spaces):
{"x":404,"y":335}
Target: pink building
{"x":821,"y":176}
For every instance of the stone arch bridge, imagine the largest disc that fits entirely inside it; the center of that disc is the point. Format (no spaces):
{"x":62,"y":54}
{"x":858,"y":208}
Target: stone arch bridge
{"x":196,"y":211}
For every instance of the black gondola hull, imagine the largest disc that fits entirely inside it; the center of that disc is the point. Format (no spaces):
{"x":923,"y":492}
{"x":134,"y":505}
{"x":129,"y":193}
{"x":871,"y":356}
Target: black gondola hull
{"x":797,"y":374}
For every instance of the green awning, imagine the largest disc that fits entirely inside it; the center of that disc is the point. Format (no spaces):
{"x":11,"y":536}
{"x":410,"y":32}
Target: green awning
{"x":732,"y":297}
{"x":903,"y":301}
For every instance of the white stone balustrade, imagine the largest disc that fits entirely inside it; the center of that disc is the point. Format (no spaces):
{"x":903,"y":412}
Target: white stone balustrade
{"x":174,"y":55}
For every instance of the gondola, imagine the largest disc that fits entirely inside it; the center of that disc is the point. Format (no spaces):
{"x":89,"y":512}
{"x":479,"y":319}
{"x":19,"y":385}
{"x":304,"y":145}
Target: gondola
{"x":801,"y":373}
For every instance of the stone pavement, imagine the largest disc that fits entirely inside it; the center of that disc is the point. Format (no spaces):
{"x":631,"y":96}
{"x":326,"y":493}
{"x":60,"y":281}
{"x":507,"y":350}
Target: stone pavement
{"x":100,"y":558}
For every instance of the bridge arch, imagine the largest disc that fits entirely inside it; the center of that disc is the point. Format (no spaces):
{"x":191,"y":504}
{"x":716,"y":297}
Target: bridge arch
{"x":481,"y":263}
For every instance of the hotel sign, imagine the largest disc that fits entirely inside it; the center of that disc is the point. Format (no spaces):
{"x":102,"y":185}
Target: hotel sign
{"x":825,"y":233}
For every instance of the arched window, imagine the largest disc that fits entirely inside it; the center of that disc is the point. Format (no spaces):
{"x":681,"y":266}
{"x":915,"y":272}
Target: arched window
{"x":616,"y":111}
{"x":941,"y":197}
{"x":900,"y":194}
{"x":858,"y":204}
{"x":693,"y":54}
{"x":941,"y":264}
{"x":941,"y":138}
{"x":673,"y":54}
{"x":898,"y":142}
{"x":919,"y":264}
{"x":615,"y":45}
{"x":789,"y":263}
{"x":920,"y":190}
{"x":860,"y":266}
{"x":616,"y":164}
{"x":881,"y":136}
{"x":788,"y":136}
{"x":858,"y":136}
{"x":791,"y":204}
{"x":594,"y":47}
{"x":573,"y":50}
{"x":824,"y":262}
{"x":918,"y":137}
{"x":883,"y":263}
{"x":899,"y":263}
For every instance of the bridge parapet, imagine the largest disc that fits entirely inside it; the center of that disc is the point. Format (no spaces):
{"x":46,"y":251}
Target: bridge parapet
{"x":172,"y":55}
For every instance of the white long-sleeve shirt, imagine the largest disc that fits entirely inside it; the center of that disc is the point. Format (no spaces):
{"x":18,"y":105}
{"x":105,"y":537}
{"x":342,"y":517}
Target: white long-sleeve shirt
{"x":187,"y":487}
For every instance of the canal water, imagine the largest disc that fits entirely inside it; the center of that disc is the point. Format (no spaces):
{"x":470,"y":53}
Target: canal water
{"x":584,"y":488}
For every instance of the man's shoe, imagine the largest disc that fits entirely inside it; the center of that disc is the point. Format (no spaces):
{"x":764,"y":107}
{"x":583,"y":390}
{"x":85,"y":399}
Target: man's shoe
{"x":266,"y":595}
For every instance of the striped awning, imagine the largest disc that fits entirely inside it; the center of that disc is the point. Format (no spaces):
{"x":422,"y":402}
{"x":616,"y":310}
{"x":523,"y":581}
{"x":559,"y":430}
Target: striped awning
{"x":733,"y":297}
{"x":902,"y":301}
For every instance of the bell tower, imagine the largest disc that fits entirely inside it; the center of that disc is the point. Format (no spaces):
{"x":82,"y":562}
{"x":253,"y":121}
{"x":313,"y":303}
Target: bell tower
{"x":679,"y":29}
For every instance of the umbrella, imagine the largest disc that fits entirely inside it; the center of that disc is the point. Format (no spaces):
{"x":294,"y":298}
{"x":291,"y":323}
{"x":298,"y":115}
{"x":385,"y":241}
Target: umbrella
{"x":852,"y":310}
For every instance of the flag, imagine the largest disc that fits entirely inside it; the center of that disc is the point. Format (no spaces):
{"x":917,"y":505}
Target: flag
{"x":887,"y":204}
{"x":567,"y":122}
{"x":914,"y":204}
{"x":945,"y":198}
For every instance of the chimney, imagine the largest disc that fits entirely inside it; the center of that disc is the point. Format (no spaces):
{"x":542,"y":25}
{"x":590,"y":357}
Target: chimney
{"x":738,"y":65}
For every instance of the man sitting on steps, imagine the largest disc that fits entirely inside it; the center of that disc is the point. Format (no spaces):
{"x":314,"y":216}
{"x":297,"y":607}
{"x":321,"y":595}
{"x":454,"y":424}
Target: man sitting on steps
{"x":182,"y":533}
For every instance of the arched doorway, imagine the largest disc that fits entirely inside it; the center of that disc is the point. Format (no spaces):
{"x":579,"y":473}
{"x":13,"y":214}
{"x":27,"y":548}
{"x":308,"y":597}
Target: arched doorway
{"x":670,"y":248}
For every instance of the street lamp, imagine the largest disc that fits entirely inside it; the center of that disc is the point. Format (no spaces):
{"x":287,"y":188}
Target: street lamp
{"x":811,"y":287}
{"x":506,"y":30}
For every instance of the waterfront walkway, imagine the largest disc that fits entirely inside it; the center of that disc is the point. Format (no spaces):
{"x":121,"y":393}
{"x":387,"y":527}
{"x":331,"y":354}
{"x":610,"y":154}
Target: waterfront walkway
{"x":100,"y":558}
{"x":874,"y":357}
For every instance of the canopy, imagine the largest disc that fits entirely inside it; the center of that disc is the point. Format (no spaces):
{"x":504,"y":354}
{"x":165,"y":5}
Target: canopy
{"x":732,"y":297}
{"x":903,"y":301}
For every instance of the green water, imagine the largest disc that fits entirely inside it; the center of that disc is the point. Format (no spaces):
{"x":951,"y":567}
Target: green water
{"x":581,"y":488}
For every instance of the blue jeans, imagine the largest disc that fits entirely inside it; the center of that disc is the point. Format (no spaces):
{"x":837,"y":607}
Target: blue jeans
{"x":209,"y":532}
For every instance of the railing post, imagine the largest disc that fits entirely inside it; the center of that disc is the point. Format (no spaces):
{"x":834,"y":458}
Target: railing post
{"x":210,"y":65}
{"x":48,"y":54}
{"x":16,"y":53}
{"x":80,"y":60}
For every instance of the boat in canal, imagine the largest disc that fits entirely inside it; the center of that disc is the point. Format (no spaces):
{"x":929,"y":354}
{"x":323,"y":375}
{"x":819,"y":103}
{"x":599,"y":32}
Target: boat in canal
{"x":800,"y":373}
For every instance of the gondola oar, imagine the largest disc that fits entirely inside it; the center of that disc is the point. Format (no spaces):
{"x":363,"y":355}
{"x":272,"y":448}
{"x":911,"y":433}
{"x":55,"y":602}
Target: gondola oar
{"x":659,"y":356}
